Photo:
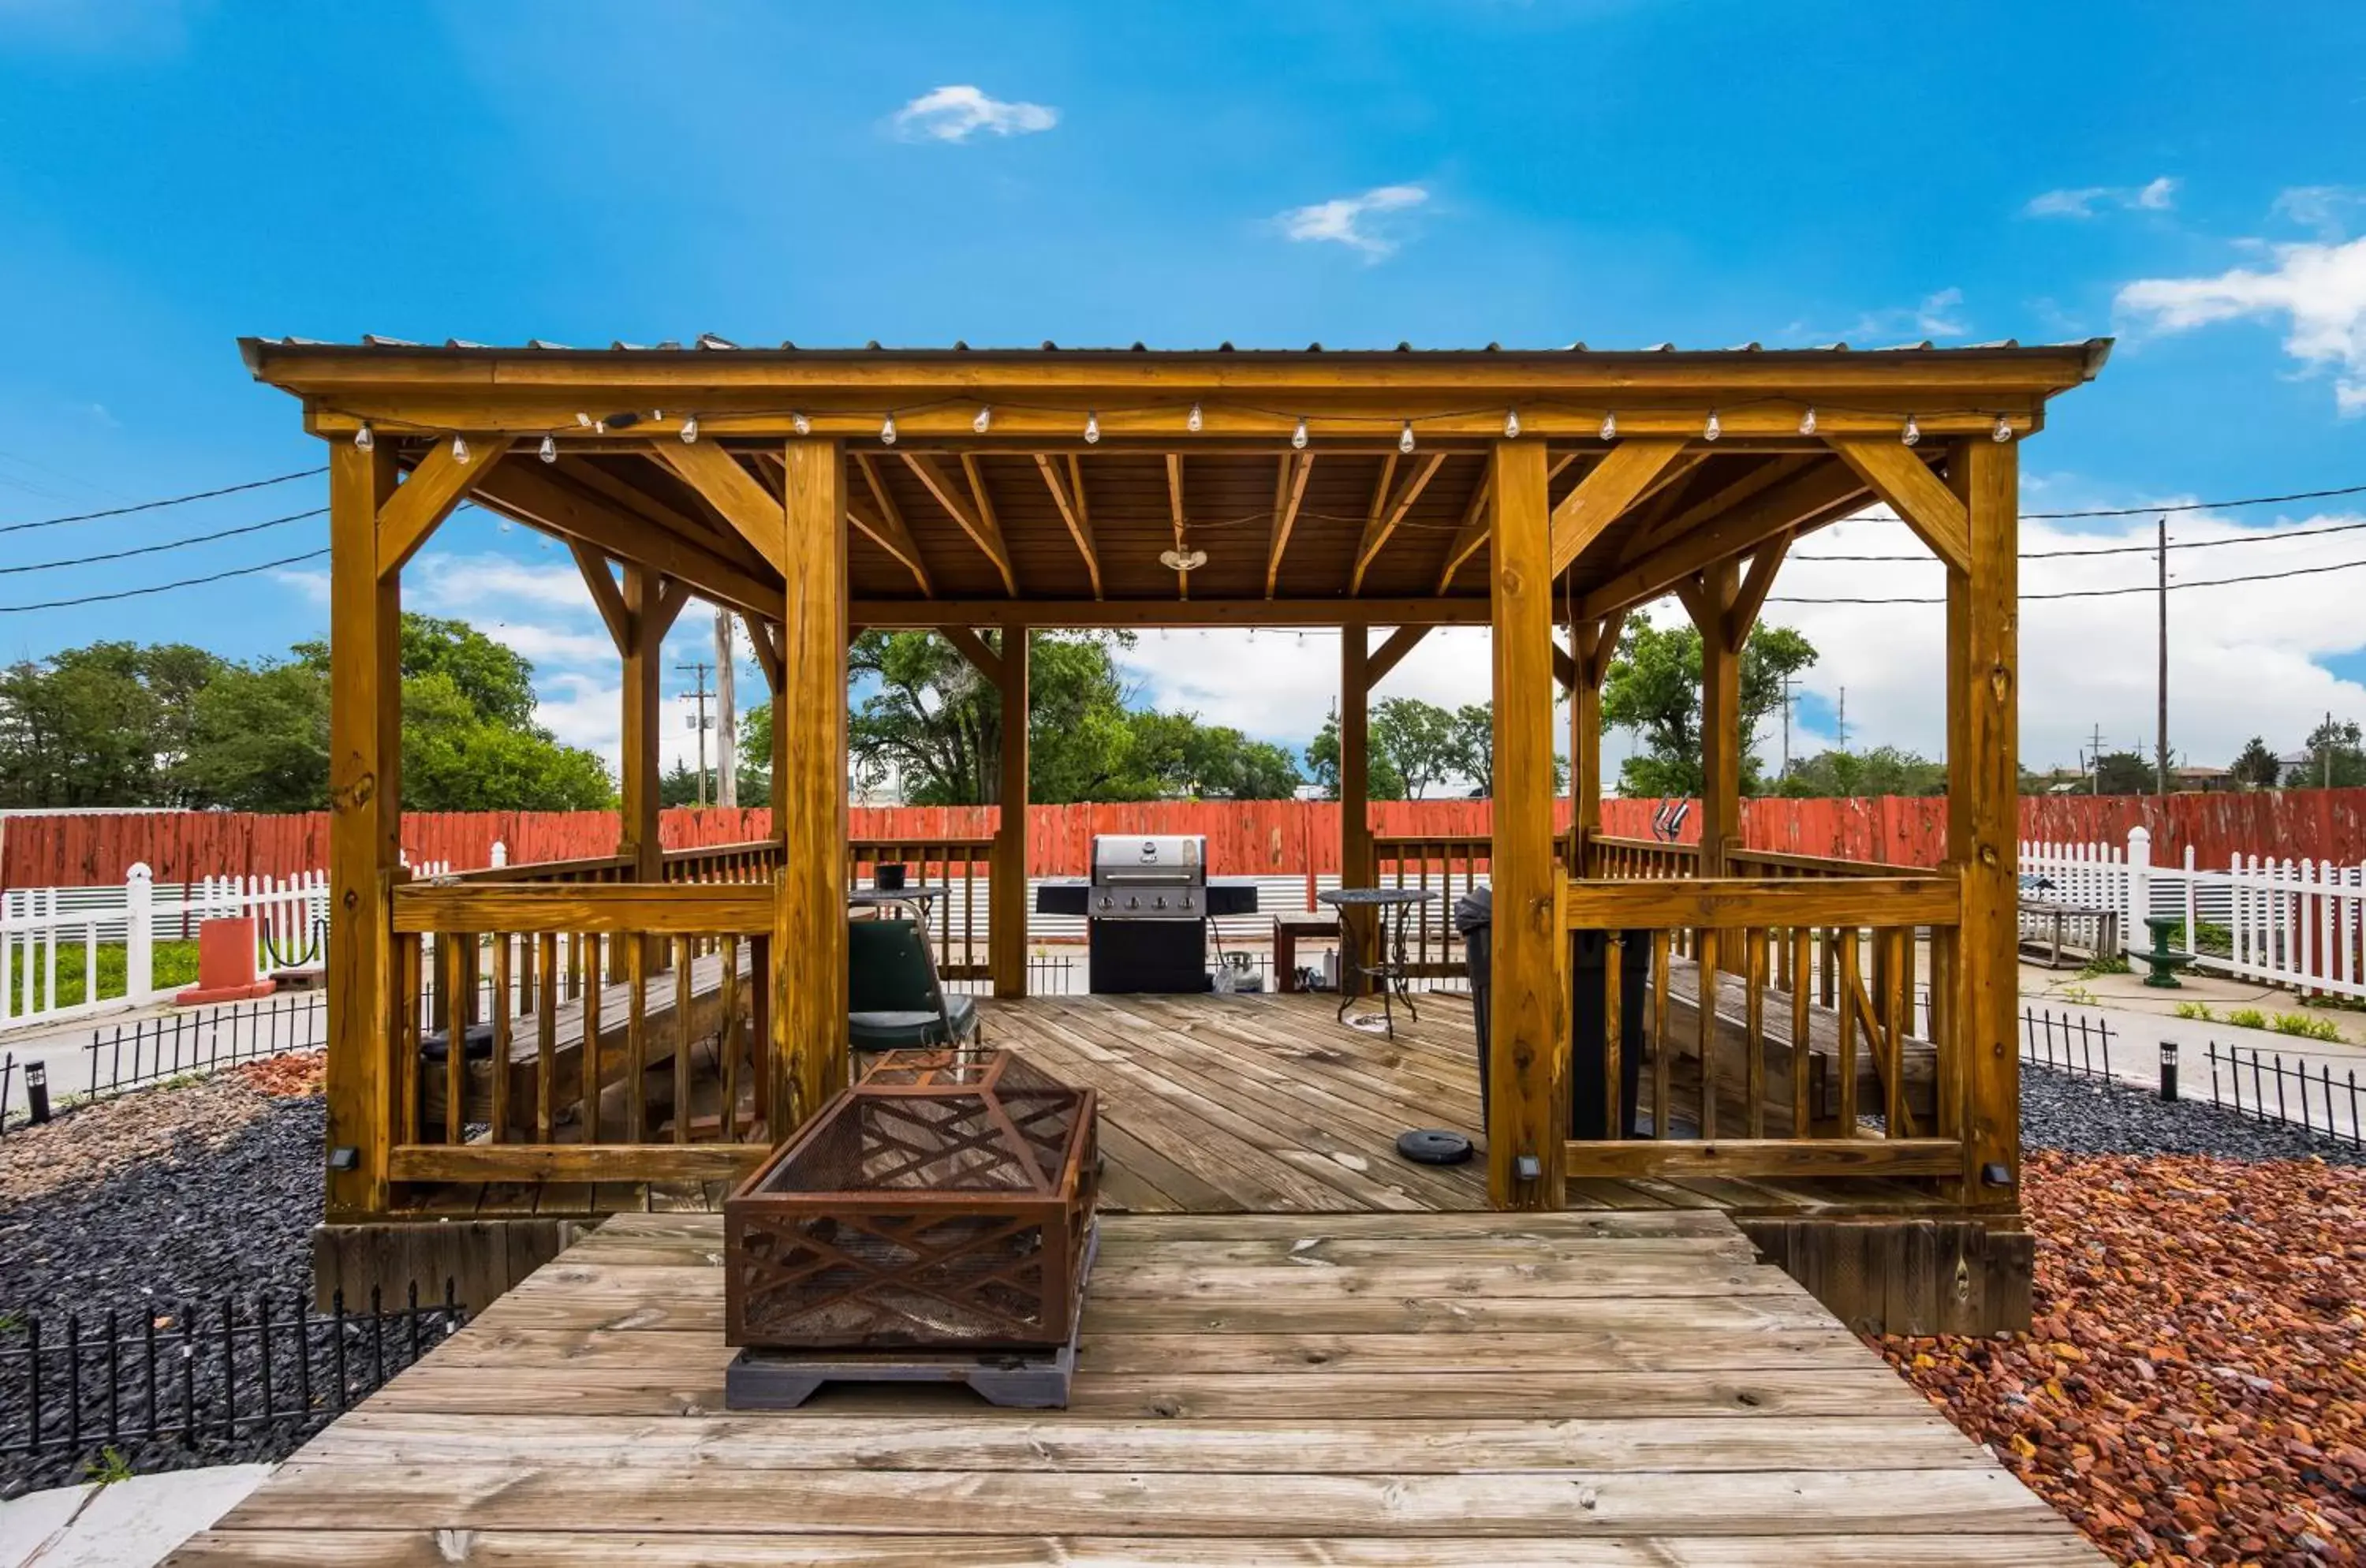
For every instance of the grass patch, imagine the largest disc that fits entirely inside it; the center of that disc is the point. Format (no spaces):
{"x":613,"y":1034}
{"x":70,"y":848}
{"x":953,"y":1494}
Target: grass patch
{"x":2207,"y":937}
{"x":109,"y":1467}
{"x":2247,"y":1018}
{"x":2303,"y":1025}
{"x":2108,"y":964}
{"x":176,"y":966}
{"x":2079,"y":995}
{"x":2196,"y":1010}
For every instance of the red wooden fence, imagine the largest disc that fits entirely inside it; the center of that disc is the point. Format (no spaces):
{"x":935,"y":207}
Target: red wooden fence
{"x":1245,"y":837}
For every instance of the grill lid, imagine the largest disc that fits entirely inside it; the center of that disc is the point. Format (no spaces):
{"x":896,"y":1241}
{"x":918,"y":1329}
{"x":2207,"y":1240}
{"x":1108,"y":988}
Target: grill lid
{"x":1167,"y":859}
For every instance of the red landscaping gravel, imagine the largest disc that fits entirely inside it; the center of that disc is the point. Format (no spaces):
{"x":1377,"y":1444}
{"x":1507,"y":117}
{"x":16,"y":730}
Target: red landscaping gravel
{"x":2194,"y":1388}
{"x":299,"y":1074}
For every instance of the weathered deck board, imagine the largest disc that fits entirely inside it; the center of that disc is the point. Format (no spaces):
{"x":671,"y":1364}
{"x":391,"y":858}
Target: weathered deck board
{"x":1351,"y":1388}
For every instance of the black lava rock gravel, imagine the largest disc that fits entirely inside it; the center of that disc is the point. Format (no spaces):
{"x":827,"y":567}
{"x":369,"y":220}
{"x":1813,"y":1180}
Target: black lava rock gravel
{"x":2097,"y":1116}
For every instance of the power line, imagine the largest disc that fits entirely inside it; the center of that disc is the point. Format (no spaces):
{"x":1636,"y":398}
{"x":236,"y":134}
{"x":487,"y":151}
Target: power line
{"x":167,"y":544}
{"x":2096,"y":592}
{"x":162,"y":587}
{"x":168,"y":501}
{"x":2106,"y":549}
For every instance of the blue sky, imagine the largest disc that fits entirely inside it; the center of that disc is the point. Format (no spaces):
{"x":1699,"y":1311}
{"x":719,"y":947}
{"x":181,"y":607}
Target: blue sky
{"x":2187,"y":177}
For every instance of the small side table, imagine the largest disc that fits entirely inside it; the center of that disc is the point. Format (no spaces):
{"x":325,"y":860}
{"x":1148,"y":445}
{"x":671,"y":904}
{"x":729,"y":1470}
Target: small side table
{"x":1287,"y":930}
{"x":1388,"y":970}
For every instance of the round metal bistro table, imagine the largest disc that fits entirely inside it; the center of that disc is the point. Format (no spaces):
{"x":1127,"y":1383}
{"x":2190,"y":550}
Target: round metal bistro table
{"x":1386,"y":968}
{"x":921,"y":901}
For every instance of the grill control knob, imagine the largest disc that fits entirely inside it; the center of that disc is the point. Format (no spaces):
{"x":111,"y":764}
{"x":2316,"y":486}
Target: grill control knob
{"x":1132,"y":902}
{"x":1162,"y":901}
{"x":1108,"y":902}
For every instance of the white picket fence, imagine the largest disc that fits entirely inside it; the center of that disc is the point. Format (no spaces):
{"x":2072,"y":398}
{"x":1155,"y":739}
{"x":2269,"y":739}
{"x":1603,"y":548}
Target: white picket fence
{"x":2300,"y":923}
{"x":38,"y":924}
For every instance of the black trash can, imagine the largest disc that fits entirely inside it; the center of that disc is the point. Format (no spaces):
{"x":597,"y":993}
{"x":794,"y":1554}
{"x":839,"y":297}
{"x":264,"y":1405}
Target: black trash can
{"x":1474,"y":918}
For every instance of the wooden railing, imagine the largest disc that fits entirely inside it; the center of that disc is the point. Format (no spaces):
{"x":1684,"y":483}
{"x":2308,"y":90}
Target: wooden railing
{"x":603,"y":1034}
{"x":1447,"y":866}
{"x":755,"y":861}
{"x":1753,"y":1067}
{"x":957,"y":869}
{"x":1634,"y":859}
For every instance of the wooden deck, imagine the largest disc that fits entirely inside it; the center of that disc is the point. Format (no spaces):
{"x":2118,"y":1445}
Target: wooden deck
{"x":1345,"y":1389}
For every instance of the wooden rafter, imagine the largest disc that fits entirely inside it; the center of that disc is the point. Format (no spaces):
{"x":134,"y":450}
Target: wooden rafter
{"x":757,"y":514}
{"x":524,"y":493}
{"x":1919,"y":496}
{"x":972,"y":647}
{"x":1289,"y":491}
{"x":1385,"y":519}
{"x":886,"y":526}
{"x":1071,"y":512}
{"x":439,"y":483}
{"x":1386,"y":657}
{"x":1175,"y":511}
{"x":1824,"y":491}
{"x":1469,"y":537}
{"x":606,"y":597}
{"x":1702,"y":509}
{"x":981,"y":528}
{"x":1756,"y":583}
{"x":1601,"y":497}
{"x":635,"y":500}
{"x":764,"y":639}
{"x":1468,"y":610}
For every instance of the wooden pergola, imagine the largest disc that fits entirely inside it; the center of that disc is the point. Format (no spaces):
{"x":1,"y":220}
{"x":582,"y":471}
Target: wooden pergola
{"x":983,"y":493}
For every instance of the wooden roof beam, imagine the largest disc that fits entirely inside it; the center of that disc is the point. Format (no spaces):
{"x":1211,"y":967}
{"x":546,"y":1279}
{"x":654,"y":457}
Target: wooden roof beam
{"x":1808,"y":502}
{"x":1464,"y":610}
{"x":1288,"y":492}
{"x":980,"y":526}
{"x":1070,"y":499}
{"x":544,"y":501}
{"x":1473,"y":532}
{"x":1610,"y":487}
{"x":713,"y":535}
{"x":1917,"y":494}
{"x":1175,"y":511}
{"x":972,"y":647}
{"x":422,"y":501}
{"x":757,"y":516}
{"x":1756,"y":583}
{"x":606,"y":597}
{"x":886,"y":526}
{"x":764,"y":637}
{"x":1384,"y":519}
{"x":1386,"y":657}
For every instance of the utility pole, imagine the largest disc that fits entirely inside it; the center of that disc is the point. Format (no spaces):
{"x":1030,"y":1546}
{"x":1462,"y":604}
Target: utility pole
{"x":2161,"y":728}
{"x":1841,"y":722}
{"x":1788,"y":682}
{"x":2095,"y":762}
{"x":727,"y":722}
{"x":2326,"y":750}
{"x":699,"y":723}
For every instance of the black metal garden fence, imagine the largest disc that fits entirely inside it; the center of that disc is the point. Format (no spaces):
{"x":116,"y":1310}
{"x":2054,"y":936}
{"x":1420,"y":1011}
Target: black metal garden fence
{"x":200,"y":1373}
{"x":126,"y":1056}
{"x":2266,"y":1087}
{"x":2066,"y":1043}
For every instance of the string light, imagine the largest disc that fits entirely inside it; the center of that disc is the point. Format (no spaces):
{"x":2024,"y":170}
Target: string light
{"x":1404,"y":438}
{"x":800,"y":424}
{"x":2003,"y":430}
{"x":364,"y":439}
{"x":689,"y":430}
{"x":1092,"y":428}
{"x":548,"y":452}
{"x":600,"y":426}
{"x":1512,"y":426}
{"x":984,"y":421}
{"x":583,"y":420}
{"x":1808,"y":423}
{"x":460,"y":448}
{"x":1713,"y":429}
{"x":1912,"y":432}
{"x":1191,"y":421}
{"x":1298,"y":437}
{"x":1610,"y":428}
{"x":887,"y":431}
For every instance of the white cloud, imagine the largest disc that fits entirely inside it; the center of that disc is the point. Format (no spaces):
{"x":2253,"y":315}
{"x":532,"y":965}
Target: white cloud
{"x":950,"y":113}
{"x":2320,"y":288}
{"x":312,"y":587}
{"x":2321,"y":207}
{"x":2157,"y":195}
{"x":1937,"y":315}
{"x":1346,"y":220}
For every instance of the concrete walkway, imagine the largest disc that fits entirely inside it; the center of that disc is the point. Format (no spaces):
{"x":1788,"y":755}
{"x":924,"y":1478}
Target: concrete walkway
{"x":125,"y":1524}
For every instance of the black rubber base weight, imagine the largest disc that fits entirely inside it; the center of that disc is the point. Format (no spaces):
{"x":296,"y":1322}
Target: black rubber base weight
{"x":1018,"y":1380}
{"x":1433,"y":1145}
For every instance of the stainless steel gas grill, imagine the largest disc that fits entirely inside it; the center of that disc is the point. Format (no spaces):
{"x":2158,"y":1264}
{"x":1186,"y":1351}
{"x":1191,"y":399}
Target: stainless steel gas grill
{"x":1146,"y":907}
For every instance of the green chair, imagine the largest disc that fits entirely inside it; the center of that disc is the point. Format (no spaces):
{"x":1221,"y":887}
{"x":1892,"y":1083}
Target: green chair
{"x":893,"y":1000}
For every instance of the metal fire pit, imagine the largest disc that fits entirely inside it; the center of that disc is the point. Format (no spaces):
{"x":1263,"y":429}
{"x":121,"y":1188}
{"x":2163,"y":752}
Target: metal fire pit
{"x":944,"y":1203}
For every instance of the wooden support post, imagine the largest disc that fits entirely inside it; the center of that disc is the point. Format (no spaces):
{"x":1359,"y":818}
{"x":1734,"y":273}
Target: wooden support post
{"x":1528,"y":1035}
{"x":1710,"y":602}
{"x":638,"y":841}
{"x":1983,"y":813}
{"x":1358,"y":866}
{"x":1006,"y":928}
{"x":1594,"y":645}
{"x":809,"y":981}
{"x":365,"y":832}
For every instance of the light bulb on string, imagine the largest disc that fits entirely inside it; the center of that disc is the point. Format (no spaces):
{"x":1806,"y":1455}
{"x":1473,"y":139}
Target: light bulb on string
{"x":1808,"y":423}
{"x":984,"y":421}
{"x":689,"y":430}
{"x":460,"y":448}
{"x":887,"y":431}
{"x":1713,"y":429}
{"x":1610,"y":428}
{"x":1092,"y":428}
{"x":800,"y":424}
{"x":1512,"y":424}
{"x":2003,"y":430}
{"x":583,"y":420}
{"x":1298,"y":437}
{"x":548,"y":451}
{"x":600,"y":427}
{"x":1192,"y":422}
{"x":1404,"y":438}
{"x":364,"y":438}
{"x":1912,"y":432}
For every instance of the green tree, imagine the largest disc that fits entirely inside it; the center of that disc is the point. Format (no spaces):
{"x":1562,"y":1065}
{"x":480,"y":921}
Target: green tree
{"x":105,"y":725}
{"x":2254,"y":765}
{"x":2336,"y":755}
{"x":1382,"y":781}
{"x":1653,"y":689}
{"x":2123,"y":772}
{"x":1884,"y":770}
{"x":259,"y":739}
{"x":1174,"y":756}
{"x":1418,"y":738}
